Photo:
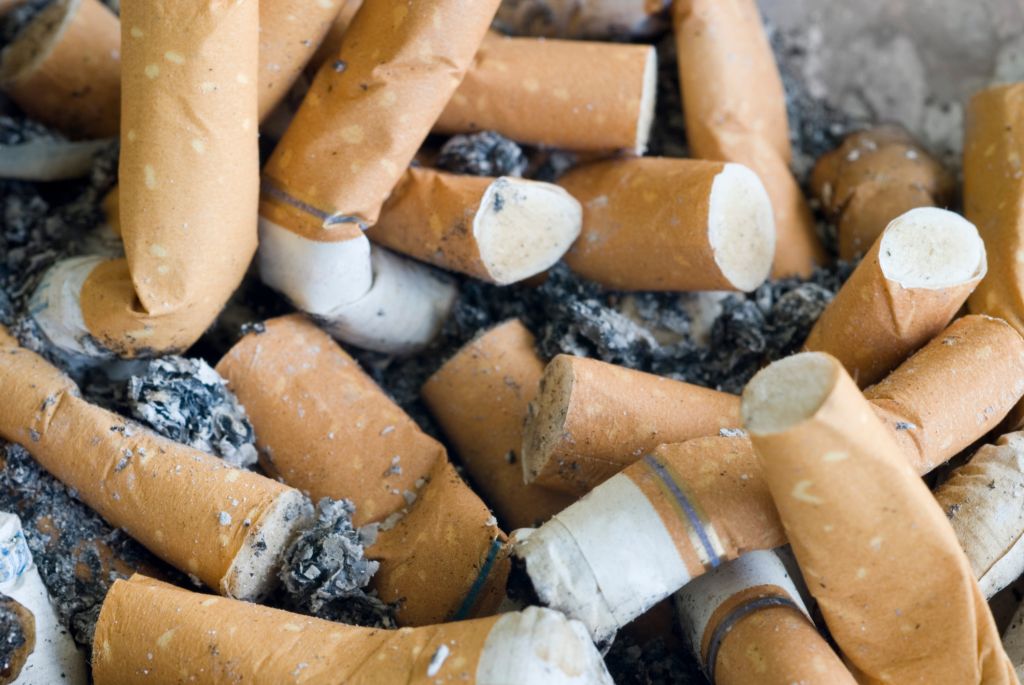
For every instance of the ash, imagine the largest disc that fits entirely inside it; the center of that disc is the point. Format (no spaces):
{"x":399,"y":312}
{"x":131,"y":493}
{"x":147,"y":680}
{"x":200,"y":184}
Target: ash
{"x":651,"y":663}
{"x":18,"y":18}
{"x":325,"y":570}
{"x":187,"y":401}
{"x":13,"y":634}
{"x":482,"y":154}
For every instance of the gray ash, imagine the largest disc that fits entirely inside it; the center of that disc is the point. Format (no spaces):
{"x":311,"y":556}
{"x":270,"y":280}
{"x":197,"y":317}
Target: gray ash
{"x":651,"y":663}
{"x":325,"y":570}
{"x":14,"y":637}
{"x":17,"y":19}
{"x":187,"y":401}
{"x":482,"y":154}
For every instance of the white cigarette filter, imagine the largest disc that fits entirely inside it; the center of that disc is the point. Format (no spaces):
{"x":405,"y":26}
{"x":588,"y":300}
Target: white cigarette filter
{"x":151,"y":632}
{"x":597,"y":19}
{"x":748,"y":625}
{"x":54,"y":658}
{"x":500,"y":230}
{"x":1013,"y":642}
{"x":671,"y":224}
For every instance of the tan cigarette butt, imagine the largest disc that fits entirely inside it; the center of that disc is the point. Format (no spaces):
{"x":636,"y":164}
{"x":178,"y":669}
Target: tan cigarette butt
{"x":907,"y":288}
{"x":953,"y":391}
{"x":594,"y":19}
{"x":877,"y":552}
{"x":64,"y":69}
{"x":993,"y":191}
{"x":592,"y":419}
{"x":500,"y":230}
{"x":481,"y":397}
{"x":735,"y":110}
{"x":225,"y":526}
{"x":331,"y":43}
{"x":873,"y":177}
{"x":152,"y":632}
{"x":565,"y":94}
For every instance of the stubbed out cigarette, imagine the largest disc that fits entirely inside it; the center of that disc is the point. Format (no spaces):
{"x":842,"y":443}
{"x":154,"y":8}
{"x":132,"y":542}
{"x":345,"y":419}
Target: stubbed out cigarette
{"x":748,"y":625}
{"x":735,"y":110}
{"x":481,"y":397}
{"x":874,"y":177}
{"x":500,"y":230}
{"x":225,"y":526}
{"x":671,"y":224}
{"x":993,"y":192}
{"x":1013,"y":642}
{"x":152,"y":632}
{"x":597,"y":19}
{"x":64,"y":69}
{"x":324,"y":427}
{"x":896,"y":590}
{"x":907,"y":288}
{"x":570,"y":95}
{"x":592,"y":419}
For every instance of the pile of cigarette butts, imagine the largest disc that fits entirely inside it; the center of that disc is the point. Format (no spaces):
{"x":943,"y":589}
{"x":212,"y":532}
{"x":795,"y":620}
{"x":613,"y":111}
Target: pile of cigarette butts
{"x":846,"y":519}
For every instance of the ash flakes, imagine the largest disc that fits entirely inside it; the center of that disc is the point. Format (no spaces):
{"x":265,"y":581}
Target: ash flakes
{"x":482,"y":154}
{"x":652,"y":663}
{"x":13,"y":631}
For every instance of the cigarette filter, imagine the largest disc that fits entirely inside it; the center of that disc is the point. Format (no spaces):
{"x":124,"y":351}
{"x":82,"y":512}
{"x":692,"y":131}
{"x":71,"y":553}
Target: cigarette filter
{"x":331,"y":43}
{"x":735,"y":110}
{"x":993,"y":190}
{"x":638,"y":537}
{"x":591,"y":419}
{"x":878,"y":554}
{"x":907,"y":288}
{"x":596,"y":19}
{"x":64,"y":69}
{"x":748,"y":625}
{"x":500,"y":230}
{"x":874,"y":177}
{"x":671,"y":224}
{"x":566,"y":94}
{"x":225,"y":526}
{"x":1013,"y":642}
{"x":151,"y":632}
{"x":481,"y":397}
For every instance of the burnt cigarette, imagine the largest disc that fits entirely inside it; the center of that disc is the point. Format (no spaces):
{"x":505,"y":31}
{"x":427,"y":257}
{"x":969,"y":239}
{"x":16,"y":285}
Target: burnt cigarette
{"x":873,"y":177}
{"x":735,"y":109}
{"x":591,"y":419}
{"x":64,"y":69}
{"x":225,"y":526}
{"x":595,"y":19}
{"x":152,"y":632}
{"x":877,"y":551}
{"x":481,"y":397}
{"x":748,"y":625}
{"x":325,"y":427}
{"x":500,"y":230}
{"x":908,"y":287}
{"x":569,"y":95}
{"x":671,"y":224}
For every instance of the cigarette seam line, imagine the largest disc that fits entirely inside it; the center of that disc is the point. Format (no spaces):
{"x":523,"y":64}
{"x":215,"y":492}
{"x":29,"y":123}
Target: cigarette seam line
{"x":730,"y":620}
{"x":478,"y":583}
{"x":713,"y":554}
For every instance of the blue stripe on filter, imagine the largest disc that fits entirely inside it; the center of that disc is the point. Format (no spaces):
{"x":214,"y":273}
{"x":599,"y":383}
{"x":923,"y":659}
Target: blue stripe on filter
{"x":478,"y":583}
{"x":691,"y":513}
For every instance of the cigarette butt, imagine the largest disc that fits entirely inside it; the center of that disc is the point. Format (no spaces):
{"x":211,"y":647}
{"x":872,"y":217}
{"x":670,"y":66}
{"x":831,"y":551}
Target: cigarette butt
{"x":357,"y":129}
{"x":331,"y":44}
{"x":591,"y":419}
{"x":565,"y":94}
{"x":879,"y":555}
{"x":594,"y":19}
{"x":907,"y":288}
{"x":151,"y":632}
{"x":1013,"y":642}
{"x":20,"y":640}
{"x":501,"y":230}
{"x":223,"y":525}
{"x":481,"y":397}
{"x":747,"y":623}
{"x":64,"y":69}
{"x":671,"y":224}
{"x":873,"y":177}
{"x":735,"y":110}
{"x":953,"y":391}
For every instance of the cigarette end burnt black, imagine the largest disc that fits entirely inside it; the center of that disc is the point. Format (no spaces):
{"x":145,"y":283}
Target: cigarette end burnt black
{"x":482,"y":154}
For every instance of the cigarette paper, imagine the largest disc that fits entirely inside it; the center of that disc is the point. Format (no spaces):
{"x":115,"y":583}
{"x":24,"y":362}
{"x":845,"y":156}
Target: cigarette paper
{"x":592,"y":419}
{"x":64,"y":69}
{"x":907,"y":288}
{"x":895,"y":589}
{"x":151,"y":632}
{"x":735,"y":110}
{"x":225,"y":526}
{"x":1013,"y":642}
{"x":671,"y":224}
{"x":596,"y":19}
{"x":748,"y":625}
{"x":331,"y":44}
{"x":874,"y":177}
{"x":993,"y":191}
{"x":480,"y":397}
{"x":500,"y":230}
{"x":53,"y":658}
{"x":564,"y":94}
